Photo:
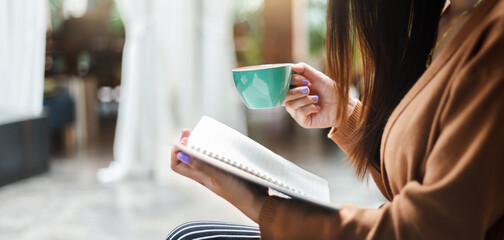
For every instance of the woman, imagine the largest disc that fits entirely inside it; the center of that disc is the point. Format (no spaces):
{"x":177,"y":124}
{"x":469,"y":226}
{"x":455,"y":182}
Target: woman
{"x":428,"y":129}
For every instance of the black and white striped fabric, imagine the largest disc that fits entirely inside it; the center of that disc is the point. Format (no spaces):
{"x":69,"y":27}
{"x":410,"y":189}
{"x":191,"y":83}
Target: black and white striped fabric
{"x":213,"y":230}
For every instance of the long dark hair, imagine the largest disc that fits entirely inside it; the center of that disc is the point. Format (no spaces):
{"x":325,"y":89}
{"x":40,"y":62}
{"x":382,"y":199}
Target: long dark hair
{"x":394,"y":38}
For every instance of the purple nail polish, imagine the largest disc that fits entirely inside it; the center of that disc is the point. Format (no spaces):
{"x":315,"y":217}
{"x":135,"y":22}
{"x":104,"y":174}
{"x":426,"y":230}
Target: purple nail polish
{"x":314,"y":98}
{"x":318,"y":107}
{"x":304,"y":82}
{"x":183,"y":157}
{"x":304,"y":90}
{"x":184,"y":138}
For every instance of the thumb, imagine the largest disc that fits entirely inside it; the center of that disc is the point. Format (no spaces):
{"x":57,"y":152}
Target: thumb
{"x":307,"y":71}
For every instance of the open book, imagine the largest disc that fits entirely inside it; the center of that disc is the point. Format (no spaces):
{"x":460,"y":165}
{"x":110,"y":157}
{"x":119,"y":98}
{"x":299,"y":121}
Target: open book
{"x":233,"y":152}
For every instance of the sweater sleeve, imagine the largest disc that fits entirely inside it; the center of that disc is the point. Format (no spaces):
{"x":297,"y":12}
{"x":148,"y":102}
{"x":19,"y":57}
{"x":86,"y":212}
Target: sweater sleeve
{"x":461,"y":195}
{"x":341,"y":134}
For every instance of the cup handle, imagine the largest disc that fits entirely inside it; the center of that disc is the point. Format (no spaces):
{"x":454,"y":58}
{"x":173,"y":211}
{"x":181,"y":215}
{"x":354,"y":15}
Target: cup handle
{"x":290,"y":86}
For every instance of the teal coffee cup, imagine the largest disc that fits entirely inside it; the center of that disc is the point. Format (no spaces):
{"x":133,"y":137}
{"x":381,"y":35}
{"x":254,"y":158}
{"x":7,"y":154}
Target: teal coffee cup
{"x":263,"y":86}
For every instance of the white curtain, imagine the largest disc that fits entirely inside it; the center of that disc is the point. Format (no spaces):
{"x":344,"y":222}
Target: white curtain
{"x":74,"y":8}
{"x":217,"y":57}
{"x":177,"y":66}
{"x":22,"y":55}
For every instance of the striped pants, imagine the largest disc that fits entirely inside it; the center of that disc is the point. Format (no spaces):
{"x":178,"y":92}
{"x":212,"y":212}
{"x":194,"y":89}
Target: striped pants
{"x":213,"y":230}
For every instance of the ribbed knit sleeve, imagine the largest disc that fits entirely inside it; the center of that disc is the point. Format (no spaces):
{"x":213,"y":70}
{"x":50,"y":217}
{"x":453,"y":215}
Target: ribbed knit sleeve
{"x":341,"y":135}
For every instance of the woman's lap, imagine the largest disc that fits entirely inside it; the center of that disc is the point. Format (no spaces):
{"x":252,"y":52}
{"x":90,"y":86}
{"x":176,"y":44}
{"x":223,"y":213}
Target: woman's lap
{"x":213,"y":230}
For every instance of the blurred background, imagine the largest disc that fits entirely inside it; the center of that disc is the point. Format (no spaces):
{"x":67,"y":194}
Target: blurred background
{"x":93,"y":92}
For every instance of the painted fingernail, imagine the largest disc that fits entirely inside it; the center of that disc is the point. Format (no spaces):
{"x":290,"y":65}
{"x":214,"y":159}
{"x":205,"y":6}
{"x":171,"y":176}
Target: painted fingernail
{"x":304,"y":90}
{"x":183,"y":157}
{"x":318,"y":107}
{"x":314,"y":98}
{"x":304,"y":82}
{"x":183,"y":139}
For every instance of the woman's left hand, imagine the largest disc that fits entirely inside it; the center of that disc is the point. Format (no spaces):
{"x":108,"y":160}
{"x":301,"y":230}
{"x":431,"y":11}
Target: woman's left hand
{"x":247,"y":197}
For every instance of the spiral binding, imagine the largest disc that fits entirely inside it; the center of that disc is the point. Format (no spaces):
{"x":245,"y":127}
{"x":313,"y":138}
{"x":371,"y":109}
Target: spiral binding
{"x":247,"y":169}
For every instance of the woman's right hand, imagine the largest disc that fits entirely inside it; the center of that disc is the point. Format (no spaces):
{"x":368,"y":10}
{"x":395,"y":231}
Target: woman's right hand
{"x":312,"y":101}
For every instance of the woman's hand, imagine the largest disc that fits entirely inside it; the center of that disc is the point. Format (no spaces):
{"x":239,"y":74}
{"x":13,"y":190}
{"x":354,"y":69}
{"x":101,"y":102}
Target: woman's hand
{"x":312,"y":100}
{"x":247,"y":197}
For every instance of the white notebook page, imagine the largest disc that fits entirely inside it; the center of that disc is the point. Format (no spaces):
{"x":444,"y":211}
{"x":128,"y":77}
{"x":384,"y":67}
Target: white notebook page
{"x":220,"y":139}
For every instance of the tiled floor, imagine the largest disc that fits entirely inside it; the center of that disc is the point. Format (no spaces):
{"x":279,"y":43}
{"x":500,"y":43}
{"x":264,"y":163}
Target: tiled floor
{"x":68,"y":202}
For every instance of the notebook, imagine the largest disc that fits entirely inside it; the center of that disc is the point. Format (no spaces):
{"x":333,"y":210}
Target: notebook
{"x":225,"y":148}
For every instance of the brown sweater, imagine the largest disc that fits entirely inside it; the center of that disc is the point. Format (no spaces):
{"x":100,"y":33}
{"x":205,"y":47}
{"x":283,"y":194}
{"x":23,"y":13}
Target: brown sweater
{"x":442,"y":153}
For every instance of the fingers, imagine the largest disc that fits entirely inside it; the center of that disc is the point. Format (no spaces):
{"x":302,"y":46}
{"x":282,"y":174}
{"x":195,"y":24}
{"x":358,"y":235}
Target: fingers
{"x":194,"y":172}
{"x":306,"y":70}
{"x":301,"y":114}
{"x":182,"y":164}
{"x":176,"y":156}
{"x":301,"y":102}
{"x":298,"y":80}
{"x":183,"y":138}
{"x":198,"y":171}
{"x":296,"y":93}
{"x":300,"y":106}
{"x":307,"y":110}
{"x":184,"y":157}
{"x":175,"y":161}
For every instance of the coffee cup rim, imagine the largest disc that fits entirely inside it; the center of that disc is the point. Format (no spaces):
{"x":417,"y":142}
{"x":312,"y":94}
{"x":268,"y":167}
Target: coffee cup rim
{"x":260,"y":67}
